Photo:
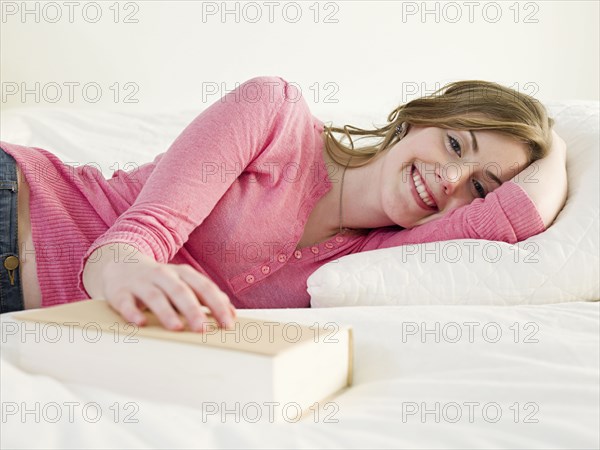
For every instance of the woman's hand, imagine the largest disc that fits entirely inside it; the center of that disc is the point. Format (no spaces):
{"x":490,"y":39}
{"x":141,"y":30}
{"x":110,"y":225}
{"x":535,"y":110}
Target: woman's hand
{"x":545,"y":181}
{"x":139,"y":282}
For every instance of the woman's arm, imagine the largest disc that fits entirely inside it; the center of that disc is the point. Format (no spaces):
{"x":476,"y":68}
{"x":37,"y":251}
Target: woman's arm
{"x":545,"y":181}
{"x":198,"y":168}
{"x":182,"y":190}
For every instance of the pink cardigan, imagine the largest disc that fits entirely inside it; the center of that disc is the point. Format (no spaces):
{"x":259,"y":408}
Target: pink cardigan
{"x":230,"y":197}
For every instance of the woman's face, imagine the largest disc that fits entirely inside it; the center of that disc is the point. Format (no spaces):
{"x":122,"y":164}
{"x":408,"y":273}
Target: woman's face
{"x":432,"y":171}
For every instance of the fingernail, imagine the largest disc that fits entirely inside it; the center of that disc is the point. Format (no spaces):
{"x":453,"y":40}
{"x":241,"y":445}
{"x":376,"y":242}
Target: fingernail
{"x":137,"y":320}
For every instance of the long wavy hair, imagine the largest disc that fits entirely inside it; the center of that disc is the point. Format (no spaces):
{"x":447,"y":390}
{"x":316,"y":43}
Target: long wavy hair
{"x":462,"y":105}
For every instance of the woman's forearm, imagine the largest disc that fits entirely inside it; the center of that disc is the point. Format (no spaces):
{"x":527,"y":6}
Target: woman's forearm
{"x":545,"y":181}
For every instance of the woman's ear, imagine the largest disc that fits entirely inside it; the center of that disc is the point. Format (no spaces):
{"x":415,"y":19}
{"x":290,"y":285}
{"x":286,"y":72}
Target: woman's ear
{"x":402,"y":129}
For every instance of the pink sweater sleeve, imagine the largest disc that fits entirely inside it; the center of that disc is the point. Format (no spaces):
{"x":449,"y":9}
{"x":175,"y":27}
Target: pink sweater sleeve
{"x":506,"y":214}
{"x":196,"y":171}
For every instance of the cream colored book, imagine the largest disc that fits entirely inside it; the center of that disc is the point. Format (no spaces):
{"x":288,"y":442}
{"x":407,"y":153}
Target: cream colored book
{"x":279,"y":370}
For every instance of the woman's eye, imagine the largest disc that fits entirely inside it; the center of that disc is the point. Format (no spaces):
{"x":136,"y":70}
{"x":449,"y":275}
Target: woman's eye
{"x":455,"y":145}
{"x":456,"y":148}
{"x":479,"y":188}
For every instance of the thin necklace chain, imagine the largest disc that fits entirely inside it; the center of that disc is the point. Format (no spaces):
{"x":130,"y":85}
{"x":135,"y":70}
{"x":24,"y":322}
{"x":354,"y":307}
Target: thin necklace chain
{"x":343,"y":230}
{"x":399,"y":133}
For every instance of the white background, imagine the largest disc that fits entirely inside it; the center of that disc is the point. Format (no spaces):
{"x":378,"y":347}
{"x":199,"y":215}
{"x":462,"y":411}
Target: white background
{"x":359,"y":57}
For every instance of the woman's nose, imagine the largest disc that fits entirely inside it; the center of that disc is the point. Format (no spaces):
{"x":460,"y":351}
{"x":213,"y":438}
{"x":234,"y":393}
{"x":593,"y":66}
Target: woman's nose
{"x":451,"y":176}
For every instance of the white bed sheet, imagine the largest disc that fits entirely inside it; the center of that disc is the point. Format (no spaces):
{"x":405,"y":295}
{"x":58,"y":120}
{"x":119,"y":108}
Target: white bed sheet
{"x":559,"y":375}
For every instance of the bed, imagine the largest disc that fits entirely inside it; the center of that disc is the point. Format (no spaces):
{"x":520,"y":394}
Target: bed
{"x":509,"y":357}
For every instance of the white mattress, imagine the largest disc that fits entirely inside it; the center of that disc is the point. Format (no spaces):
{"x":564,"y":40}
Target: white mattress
{"x":554,"y":381}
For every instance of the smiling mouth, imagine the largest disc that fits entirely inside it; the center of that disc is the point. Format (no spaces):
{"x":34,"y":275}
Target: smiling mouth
{"x":422,"y":193}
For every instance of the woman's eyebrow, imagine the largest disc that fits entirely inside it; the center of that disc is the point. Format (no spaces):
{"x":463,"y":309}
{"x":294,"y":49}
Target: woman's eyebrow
{"x":475,"y":148}
{"x":474,"y":145}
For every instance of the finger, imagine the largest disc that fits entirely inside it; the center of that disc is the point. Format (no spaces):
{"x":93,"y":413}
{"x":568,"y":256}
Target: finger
{"x":184,"y":299}
{"x":141,"y":305}
{"x":209,"y":294}
{"x":158,"y":303}
{"x":126,"y":305}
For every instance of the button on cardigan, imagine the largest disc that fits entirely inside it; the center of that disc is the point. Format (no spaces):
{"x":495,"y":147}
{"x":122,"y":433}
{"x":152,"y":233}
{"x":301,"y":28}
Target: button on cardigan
{"x":230,"y":197}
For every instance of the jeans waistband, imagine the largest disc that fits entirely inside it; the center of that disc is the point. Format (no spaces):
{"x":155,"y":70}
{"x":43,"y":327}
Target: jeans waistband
{"x":11,"y":292}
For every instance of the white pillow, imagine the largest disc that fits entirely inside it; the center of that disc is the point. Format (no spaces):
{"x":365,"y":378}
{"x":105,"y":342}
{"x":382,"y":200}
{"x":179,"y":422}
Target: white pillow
{"x":561,"y":264}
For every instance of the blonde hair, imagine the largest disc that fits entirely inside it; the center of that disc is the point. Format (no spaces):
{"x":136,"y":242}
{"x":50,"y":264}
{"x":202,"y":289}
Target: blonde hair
{"x":463,"y":105}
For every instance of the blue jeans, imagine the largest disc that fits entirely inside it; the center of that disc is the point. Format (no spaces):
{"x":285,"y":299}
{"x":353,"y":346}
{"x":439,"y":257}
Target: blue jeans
{"x":11,"y":292}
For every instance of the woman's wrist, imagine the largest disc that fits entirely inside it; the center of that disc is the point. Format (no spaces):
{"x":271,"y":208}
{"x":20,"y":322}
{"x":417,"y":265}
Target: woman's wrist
{"x":545,"y":182}
{"x":107,"y":258}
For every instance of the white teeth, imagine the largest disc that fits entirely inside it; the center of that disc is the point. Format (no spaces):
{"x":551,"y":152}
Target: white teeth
{"x":421,"y":190}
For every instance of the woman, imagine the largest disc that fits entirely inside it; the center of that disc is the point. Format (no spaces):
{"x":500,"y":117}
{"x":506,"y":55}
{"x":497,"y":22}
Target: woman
{"x":256,"y":194}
